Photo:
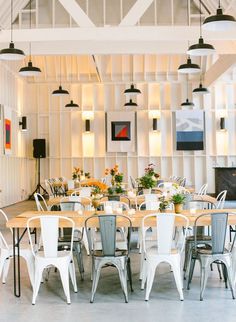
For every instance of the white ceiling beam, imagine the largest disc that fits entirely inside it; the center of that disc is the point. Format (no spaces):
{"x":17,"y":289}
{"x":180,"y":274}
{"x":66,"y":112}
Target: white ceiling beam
{"x":136,"y":12}
{"x":220,"y":67}
{"x":136,"y":33}
{"x":111,"y":40}
{"x":79,"y":16}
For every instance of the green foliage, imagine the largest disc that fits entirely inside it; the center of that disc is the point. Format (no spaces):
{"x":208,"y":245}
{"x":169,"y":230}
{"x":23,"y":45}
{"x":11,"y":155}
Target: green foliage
{"x":96,"y":190}
{"x":178,"y":198}
{"x":164,"y":203}
{"x":147,"y":181}
{"x":119,"y":177}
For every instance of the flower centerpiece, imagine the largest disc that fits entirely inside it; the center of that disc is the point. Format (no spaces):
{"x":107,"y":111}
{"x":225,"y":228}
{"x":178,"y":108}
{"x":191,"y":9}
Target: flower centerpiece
{"x":149,"y":179}
{"x":78,"y":174}
{"x":178,"y":200}
{"x":96,"y":197}
{"x":116,"y":180}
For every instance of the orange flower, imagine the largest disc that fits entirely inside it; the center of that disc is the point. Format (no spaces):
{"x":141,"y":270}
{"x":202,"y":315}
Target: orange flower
{"x":94,"y":183}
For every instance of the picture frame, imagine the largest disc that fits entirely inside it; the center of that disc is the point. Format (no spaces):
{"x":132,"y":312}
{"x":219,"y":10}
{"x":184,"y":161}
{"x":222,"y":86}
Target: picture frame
{"x":121,"y":131}
{"x":190,"y":130}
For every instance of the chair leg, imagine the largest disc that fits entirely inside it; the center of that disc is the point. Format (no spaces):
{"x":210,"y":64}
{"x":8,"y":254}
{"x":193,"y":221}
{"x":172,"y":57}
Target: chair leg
{"x":204,"y":275}
{"x":123,"y":280}
{"x":96,"y":275}
{"x":224,"y":270}
{"x":79,"y":257}
{"x":178,"y":277}
{"x":187,"y":257}
{"x":150,"y":278}
{"x":190,"y":273}
{"x":37,"y":282}
{"x":129,"y":274}
{"x":64,"y":273}
{"x":219,"y":271}
{"x":5,"y":270}
{"x":229,"y":272}
{"x":144,"y":275}
{"x":72,"y":275}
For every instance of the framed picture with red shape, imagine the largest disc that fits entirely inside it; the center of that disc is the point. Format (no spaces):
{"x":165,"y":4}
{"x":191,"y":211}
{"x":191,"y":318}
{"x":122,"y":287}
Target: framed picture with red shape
{"x":7,"y":130}
{"x":121,"y":131}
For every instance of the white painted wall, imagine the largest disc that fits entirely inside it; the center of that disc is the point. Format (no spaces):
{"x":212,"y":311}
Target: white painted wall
{"x":16,"y":170}
{"x":69,"y":146}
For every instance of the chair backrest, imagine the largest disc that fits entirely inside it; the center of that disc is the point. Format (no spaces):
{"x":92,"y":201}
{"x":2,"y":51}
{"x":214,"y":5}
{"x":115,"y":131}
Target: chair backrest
{"x":107,"y":225}
{"x":49,"y":233}
{"x":151,"y":197}
{"x":165,"y":185}
{"x":3,"y":242}
{"x":115,"y":204}
{"x":218,"y":222}
{"x":71,"y":206}
{"x":182,"y":182}
{"x":200,"y":204}
{"x":203,"y":189}
{"x":133,"y":182}
{"x":70,"y":184}
{"x":40,"y":202}
{"x":150,"y":205}
{"x":165,"y":224}
{"x":85,"y":192}
{"x":49,"y":188}
{"x":221,"y":199}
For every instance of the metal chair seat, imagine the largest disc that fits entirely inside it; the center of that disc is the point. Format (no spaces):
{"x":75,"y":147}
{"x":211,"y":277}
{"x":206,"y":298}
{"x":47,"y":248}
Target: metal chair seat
{"x":118,"y":253}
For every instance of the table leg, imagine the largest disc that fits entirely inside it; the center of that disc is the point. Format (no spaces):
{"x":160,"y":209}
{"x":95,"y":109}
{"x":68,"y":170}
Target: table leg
{"x":16,"y":262}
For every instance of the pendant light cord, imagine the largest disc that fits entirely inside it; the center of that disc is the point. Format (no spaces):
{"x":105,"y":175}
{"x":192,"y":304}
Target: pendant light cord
{"x":219,"y":5}
{"x":11,"y":20}
{"x":30,"y":29}
{"x":60,"y":70}
{"x":200,"y":17}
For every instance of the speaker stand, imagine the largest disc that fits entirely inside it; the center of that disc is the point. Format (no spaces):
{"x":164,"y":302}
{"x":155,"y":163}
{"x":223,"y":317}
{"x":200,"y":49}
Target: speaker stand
{"x":39,"y":186}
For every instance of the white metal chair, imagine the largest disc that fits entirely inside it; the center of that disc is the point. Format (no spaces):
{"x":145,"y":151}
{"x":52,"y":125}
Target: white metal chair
{"x":50,"y":256}
{"x":85,"y":192}
{"x":203,"y":189}
{"x":41,"y":202}
{"x":163,"y":251}
{"x":220,"y":199}
{"x":70,"y":184}
{"x":111,"y":252}
{"x":49,"y":188}
{"x":7,"y":253}
{"x":114,"y":204}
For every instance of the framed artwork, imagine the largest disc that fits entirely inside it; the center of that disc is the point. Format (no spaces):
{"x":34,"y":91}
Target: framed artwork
{"x":120,"y":131}
{"x":189,"y":130}
{"x":7,"y":129}
{"x":120,"y":128}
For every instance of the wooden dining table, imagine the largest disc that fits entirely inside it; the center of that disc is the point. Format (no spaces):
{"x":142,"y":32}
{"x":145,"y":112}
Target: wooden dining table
{"x":19,"y":223}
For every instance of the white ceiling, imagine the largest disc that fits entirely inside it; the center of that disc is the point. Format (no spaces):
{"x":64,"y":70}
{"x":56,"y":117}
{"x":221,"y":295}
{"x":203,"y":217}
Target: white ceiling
{"x":113,"y":40}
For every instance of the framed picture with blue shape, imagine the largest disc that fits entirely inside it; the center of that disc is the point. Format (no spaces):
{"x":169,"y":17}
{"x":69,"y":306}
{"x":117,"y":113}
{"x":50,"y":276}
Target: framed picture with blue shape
{"x":190,"y":126}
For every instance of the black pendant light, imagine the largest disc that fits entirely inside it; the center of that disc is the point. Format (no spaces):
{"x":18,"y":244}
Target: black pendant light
{"x":189,"y":68}
{"x":60,"y":91}
{"x":11,"y":53}
{"x":71,"y":104}
{"x":187,"y":103}
{"x":30,"y":70}
{"x":132,"y":91}
{"x":219,"y":21}
{"x":201,"y":49}
{"x":131,"y":104}
{"x":200,"y":90}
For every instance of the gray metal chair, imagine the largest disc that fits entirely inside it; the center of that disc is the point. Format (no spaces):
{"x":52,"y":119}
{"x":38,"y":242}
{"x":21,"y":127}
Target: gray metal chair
{"x":217,"y":253}
{"x":64,"y":239}
{"x":201,"y":236}
{"x":109,"y":252}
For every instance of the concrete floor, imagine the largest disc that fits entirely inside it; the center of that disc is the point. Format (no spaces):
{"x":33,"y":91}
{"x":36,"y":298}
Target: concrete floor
{"x":164,"y":304}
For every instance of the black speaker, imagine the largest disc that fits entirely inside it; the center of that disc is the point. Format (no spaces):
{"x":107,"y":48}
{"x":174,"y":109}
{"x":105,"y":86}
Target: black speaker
{"x":39,"y":146}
